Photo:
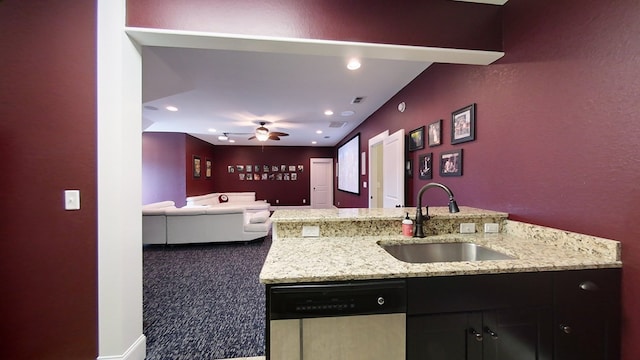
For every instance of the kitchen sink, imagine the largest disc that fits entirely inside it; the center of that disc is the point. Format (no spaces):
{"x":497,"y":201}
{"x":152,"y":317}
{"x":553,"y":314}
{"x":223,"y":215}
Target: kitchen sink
{"x":443,"y":252}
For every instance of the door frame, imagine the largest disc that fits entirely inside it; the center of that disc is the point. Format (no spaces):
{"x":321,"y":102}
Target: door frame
{"x":329,"y":180}
{"x":373,"y":163}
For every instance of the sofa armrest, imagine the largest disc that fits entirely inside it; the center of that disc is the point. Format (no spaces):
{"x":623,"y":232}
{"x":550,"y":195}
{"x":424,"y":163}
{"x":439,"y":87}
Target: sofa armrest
{"x":225,"y":210}
{"x":186,"y":211}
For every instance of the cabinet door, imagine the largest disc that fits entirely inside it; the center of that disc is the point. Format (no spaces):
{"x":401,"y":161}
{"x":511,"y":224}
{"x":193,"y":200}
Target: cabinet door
{"x":587,"y":315}
{"x":456,"y":336}
{"x":517,"y":333}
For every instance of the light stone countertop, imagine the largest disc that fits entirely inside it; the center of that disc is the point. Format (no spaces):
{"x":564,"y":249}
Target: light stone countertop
{"x":336,"y":258}
{"x":362,"y":214}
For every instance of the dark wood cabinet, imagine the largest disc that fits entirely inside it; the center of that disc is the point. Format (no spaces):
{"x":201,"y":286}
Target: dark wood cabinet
{"x":587,"y":315}
{"x":518,"y":333}
{"x":563,"y":315}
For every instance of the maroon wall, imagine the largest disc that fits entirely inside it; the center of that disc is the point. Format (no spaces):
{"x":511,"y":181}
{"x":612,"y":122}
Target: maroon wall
{"x":286,"y":192}
{"x":48,"y":269}
{"x":203,"y":150}
{"x":558,"y":127}
{"x":163,"y":167}
{"x":441,"y":23}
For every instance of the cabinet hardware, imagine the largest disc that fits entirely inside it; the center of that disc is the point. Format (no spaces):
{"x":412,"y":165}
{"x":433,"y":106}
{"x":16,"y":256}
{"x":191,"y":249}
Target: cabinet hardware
{"x":494,"y":336}
{"x":589,"y":286}
{"x":476,"y":334}
{"x":566,"y":328}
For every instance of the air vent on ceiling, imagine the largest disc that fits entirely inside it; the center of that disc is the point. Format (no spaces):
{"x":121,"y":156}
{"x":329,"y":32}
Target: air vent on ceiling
{"x":337,"y":124}
{"x":358,"y":99}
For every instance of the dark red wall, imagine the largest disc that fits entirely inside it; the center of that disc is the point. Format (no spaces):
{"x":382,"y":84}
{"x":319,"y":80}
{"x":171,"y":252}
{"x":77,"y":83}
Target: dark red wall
{"x":558,"y":127}
{"x":287,"y":192}
{"x":441,"y":23}
{"x":48,"y":269}
{"x":204,"y":150}
{"x":164,"y":167}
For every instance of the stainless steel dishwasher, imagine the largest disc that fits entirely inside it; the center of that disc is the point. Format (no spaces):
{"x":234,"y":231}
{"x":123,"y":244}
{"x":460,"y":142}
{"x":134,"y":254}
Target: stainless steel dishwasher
{"x":337,"y":321}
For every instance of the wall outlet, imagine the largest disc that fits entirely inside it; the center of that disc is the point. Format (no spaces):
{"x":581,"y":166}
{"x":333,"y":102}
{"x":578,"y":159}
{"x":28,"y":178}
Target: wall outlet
{"x":491,"y":228}
{"x":304,"y":201}
{"x":467,"y":228}
{"x":310,"y":231}
{"x":277,"y":201}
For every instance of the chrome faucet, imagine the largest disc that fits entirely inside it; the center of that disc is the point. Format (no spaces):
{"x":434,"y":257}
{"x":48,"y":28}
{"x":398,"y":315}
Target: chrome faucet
{"x":453,"y":208}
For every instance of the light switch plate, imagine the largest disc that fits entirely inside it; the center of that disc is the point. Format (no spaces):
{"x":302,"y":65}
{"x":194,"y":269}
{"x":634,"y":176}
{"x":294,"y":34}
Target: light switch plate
{"x":467,"y":228}
{"x":491,"y":228}
{"x":72,"y":199}
{"x":310,"y":231}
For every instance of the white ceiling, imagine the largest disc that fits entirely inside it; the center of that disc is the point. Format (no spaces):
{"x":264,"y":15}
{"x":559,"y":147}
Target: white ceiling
{"x":231,"y":83}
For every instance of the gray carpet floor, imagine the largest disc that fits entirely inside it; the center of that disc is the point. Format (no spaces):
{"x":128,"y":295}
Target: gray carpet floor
{"x":204,"y":301}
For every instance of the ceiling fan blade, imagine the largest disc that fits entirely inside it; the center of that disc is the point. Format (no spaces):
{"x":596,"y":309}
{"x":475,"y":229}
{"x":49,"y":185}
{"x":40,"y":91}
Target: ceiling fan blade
{"x":273,"y":136}
{"x":277,"y":133}
{"x":251,"y":138}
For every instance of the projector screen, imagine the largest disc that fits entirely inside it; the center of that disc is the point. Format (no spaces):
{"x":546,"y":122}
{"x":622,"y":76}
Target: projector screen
{"x":349,"y":166}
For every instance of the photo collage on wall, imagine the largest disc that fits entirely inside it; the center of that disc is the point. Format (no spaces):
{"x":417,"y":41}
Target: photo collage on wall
{"x":266,"y":172}
{"x":463,"y":129}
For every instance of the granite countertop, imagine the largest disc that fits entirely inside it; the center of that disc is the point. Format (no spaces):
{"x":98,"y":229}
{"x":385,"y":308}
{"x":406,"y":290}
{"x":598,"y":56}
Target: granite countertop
{"x":336,"y":258}
{"x":362,"y":214}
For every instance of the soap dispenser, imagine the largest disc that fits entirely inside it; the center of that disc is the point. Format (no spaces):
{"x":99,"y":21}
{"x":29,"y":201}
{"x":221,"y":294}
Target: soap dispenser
{"x":407,"y":226}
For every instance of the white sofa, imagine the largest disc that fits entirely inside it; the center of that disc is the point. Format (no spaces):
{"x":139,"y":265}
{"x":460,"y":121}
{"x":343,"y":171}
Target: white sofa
{"x":163,"y":223}
{"x":154,"y":222}
{"x":246,"y":200}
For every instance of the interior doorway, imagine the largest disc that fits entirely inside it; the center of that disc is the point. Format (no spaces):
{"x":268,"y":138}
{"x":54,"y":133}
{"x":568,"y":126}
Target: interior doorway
{"x":321,"y":183}
{"x":386,"y":170}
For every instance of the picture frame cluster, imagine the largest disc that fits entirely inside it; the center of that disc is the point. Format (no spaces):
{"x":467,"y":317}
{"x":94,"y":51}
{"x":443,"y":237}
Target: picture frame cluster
{"x":463,"y":129}
{"x":251,"y":172}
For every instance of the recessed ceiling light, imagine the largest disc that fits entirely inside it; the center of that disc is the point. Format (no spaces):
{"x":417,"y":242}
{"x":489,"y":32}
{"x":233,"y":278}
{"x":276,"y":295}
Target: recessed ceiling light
{"x":318,"y":131}
{"x":232,"y":141}
{"x":212,"y":130}
{"x":171,"y":108}
{"x":402,"y":106}
{"x":223,"y":138}
{"x":328,"y":112}
{"x":354,"y":64}
{"x":347,"y":113}
{"x":314,"y":142}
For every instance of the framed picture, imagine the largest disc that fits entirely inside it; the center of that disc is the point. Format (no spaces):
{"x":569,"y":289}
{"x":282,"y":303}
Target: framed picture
{"x":207,"y":169}
{"x":425,"y":168}
{"x":434,"y":131}
{"x":451,"y":163}
{"x":463,"y":124}
{"x":416,"y":139}
{"x":196,"y":167}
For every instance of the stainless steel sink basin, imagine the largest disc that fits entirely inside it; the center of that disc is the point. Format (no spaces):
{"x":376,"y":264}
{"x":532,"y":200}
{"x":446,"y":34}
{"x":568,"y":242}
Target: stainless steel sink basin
{"x":443,"y":252}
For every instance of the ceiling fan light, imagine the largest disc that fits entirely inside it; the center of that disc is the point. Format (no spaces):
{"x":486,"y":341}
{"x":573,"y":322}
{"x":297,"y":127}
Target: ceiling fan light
{"x":223,"y":138}
{"x":262,"y":133}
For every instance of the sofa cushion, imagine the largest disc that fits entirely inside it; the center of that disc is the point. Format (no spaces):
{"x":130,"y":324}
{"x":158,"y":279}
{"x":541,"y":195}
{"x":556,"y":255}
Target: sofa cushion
{"x":259,"y":217}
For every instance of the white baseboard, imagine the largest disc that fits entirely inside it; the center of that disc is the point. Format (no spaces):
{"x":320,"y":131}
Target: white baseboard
{"x":272,"y":208}
{"x":137,"y":351}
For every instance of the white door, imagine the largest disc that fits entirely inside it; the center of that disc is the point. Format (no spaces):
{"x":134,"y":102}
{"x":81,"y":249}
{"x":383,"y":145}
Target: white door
{"x":393,"y":170}
{"x":375,"y":169}
{"x":321,"y":183}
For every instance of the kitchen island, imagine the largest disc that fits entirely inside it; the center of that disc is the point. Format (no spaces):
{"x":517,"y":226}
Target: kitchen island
{"x":558,"y":297}
{"x":347,"y":247}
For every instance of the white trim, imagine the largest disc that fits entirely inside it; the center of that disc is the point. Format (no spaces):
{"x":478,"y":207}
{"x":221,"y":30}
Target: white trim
{"x":372,"y":142}
{"x":285,"y":207}
{"x":490,"y":2}
{"x":137,"y":350}
{"x":222,"y":41}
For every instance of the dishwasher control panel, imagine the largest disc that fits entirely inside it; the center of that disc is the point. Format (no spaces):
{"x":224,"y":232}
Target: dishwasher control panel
{"x":337,"y":299}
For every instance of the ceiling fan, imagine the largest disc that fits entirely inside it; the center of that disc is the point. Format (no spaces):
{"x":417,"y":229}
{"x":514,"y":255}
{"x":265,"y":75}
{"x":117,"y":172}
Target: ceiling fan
{"x":263,"y":134}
